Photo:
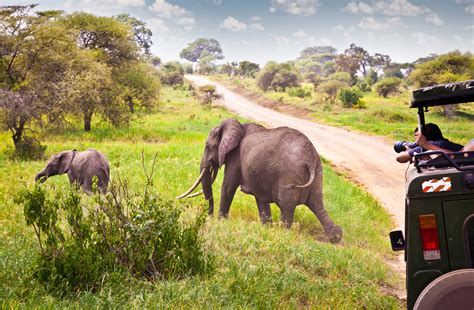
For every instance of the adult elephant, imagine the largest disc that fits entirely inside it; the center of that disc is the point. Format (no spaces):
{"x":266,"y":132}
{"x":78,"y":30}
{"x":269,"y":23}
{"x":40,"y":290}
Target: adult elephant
{"x":80,"y":167}
{"x":276,"y":165}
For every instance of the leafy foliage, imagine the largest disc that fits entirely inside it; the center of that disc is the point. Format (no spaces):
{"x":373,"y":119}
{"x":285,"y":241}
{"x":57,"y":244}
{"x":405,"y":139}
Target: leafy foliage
{"x":172,"y":73}
{"x":81,"y":242}
{"x":349,"y":96}
{"x":202,"y":49}
{"x":387,"y":86}
{"x":277,"y":76}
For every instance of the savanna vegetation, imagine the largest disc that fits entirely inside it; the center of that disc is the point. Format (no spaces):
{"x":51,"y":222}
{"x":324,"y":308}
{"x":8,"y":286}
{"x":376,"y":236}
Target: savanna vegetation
{"x":78,"y":81}
{"x":355,"y":89}
{"x":254,"y":265}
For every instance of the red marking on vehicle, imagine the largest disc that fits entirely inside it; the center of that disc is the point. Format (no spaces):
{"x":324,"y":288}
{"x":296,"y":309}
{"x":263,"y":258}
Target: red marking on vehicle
{"x":436,"y":186}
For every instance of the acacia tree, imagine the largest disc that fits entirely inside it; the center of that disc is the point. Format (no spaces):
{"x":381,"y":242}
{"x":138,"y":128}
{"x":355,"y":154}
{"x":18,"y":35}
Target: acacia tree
{"x":203,"y":51}
{"x":33,"y":48}
{"x":447,"y":68}
{"x":140,"y":31}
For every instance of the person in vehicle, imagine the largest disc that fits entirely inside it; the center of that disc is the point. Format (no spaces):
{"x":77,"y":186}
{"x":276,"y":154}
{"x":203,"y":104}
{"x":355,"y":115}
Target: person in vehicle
{"x":432,"y":137}
{"x":427,"y":145}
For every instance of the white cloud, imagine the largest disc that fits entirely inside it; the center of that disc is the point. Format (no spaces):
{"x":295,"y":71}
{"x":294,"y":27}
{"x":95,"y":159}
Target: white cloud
{"x":300,"y":34}
{"x":157,"y":25}
{"x":282,"y":40}
{"x":471,"y":27}
{"x":256,"y":27}
{"x":425,"y":40}
{"x":346,"y":31}
{"x":386,"y":7}
{"x":457,"y":38}
{"x":256,"y":19}
{"x":178,"y":15}
{"x":121,"y":3}
{"x":434,"y":19}
{"x":465,"y":1}
{"x":371,"y":24}
{"x":217,"y":2}
{"x":233,"y":24}
{"x":470,"y":9}
{"x":361,"y":7}
{"x":295,"y":7}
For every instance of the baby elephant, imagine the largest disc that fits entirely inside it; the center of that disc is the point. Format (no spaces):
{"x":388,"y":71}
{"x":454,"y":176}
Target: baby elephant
{"x":80,"y":168}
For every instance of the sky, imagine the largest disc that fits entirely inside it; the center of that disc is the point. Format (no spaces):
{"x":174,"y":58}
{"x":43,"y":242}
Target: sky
{"x":264,"y":30}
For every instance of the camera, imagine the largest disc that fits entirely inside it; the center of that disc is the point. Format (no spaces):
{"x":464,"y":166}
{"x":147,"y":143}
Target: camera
{"x":399,"y":146}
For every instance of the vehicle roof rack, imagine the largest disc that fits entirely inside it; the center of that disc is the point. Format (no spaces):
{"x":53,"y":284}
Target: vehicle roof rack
{"x":451,"y":93}
{"x":462,"y":161}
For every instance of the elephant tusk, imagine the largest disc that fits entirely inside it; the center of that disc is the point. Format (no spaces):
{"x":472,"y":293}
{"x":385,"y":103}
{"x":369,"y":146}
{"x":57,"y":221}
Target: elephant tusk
{"x":196,"y":183}
{"x":195,"y":194}
{"x":214,"y":175}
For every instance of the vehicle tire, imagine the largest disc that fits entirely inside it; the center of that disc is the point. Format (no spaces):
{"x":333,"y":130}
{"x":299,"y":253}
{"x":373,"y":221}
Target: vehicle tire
{"x":454,"y":290}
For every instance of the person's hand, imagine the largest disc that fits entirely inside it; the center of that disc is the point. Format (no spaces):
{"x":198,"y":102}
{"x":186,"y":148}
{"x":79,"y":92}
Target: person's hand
{"x":420,"y":139}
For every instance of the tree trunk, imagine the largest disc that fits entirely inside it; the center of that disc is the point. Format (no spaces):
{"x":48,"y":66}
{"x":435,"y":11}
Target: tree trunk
{"x":87,"y":120}
{"x":130,"y":104}
{"x":449,"y":110}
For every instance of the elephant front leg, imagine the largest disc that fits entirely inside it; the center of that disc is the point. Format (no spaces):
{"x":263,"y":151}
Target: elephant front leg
{"x":264,"y":211}
{"x":229,"y":185}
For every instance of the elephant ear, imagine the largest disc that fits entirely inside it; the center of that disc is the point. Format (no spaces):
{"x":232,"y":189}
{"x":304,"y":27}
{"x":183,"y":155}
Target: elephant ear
{"x":231,"y":134}
{"x":65,"y":161}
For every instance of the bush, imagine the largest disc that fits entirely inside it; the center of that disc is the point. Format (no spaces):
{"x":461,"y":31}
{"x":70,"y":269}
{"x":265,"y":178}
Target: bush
{"x":331,"y":88}
{"x":298,"y":92}
{"x":172,"y":73}
{"x":387,"y":86}
{"x":28,"y":148}
{"x":141,"y":234}
{"x":278,"y":77}
{"x":349,"y":96}
{"x":208,"y":93}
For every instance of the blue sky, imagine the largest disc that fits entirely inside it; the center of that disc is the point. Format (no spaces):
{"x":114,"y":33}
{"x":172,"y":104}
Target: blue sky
{"x":279,"y":29}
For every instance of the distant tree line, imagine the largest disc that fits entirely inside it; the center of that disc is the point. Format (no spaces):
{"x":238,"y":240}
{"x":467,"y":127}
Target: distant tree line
{"x":56,"y":66}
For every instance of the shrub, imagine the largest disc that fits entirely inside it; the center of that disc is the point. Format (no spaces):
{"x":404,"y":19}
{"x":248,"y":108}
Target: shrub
{"x":208,"y":94}
{"x":172,"y":73}
{"x":28,"y":148}
{"x":349,"y":96}
{"x":141,"y":234}
{"x":298,"y":92}
{"x":331,"y":88}
{"x":278,"y":77}
{"x":387,"y":86}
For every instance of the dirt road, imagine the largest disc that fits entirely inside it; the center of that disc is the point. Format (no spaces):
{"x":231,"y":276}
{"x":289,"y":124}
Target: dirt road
{"x":368,"y":160}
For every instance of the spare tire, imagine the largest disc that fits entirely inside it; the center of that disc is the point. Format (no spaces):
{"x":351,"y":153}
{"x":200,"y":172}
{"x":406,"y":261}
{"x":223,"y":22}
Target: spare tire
{"x":453,"y":290}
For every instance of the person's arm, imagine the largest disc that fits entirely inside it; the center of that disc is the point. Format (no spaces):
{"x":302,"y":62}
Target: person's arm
{"x":403,"y":157}
{"x":420,"y":139}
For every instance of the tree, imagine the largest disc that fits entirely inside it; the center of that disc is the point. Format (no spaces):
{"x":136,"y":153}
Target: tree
{"x":387,"y":86}
{"x":349,"y":96}
{"x":172,"y":73}
{"x":317,"y":51}
{"x":141,"y":32}
{"x":226,"y":69}
{"x":111,"y":39}
{"x":331,"y":88}
{"x":447,"y":68}
{"x":206,"y":50}
{"x":248,"y":69}
{"x":156,"y":61}
{"x":33,"y":48}
{"x":278,"y":76}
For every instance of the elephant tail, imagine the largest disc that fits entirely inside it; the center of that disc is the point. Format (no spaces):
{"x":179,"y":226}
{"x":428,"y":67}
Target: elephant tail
{"x":312,"y":174}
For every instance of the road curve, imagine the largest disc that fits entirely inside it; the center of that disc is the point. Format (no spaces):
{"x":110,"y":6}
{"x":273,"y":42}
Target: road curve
{"x":369,"y":160}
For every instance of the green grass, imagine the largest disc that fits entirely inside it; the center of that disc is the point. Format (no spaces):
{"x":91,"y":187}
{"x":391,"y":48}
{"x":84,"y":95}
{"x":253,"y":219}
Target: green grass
{"x":257,"y":266}
{"x":389,"y":117}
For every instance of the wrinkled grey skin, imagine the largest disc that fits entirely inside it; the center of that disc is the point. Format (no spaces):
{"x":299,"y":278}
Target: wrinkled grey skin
{"x":276,"y":165}
{"x":80,"y":168}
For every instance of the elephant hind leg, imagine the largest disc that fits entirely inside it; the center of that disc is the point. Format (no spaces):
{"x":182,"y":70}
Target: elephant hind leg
{"x":287,"y":213}
{"x":264,"y":211}
{"x":315,"y":204}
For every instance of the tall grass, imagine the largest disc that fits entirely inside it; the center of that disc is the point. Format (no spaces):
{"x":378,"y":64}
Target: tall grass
{"x":256,"y":266}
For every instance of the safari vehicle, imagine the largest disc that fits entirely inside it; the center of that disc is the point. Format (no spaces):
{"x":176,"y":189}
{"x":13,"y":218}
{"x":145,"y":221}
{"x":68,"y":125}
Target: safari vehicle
{"x":439,"y":216}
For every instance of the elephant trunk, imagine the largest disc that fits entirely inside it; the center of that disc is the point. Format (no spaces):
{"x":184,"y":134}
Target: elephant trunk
{"x":206,"y":183}
{"x":41,"y":176}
